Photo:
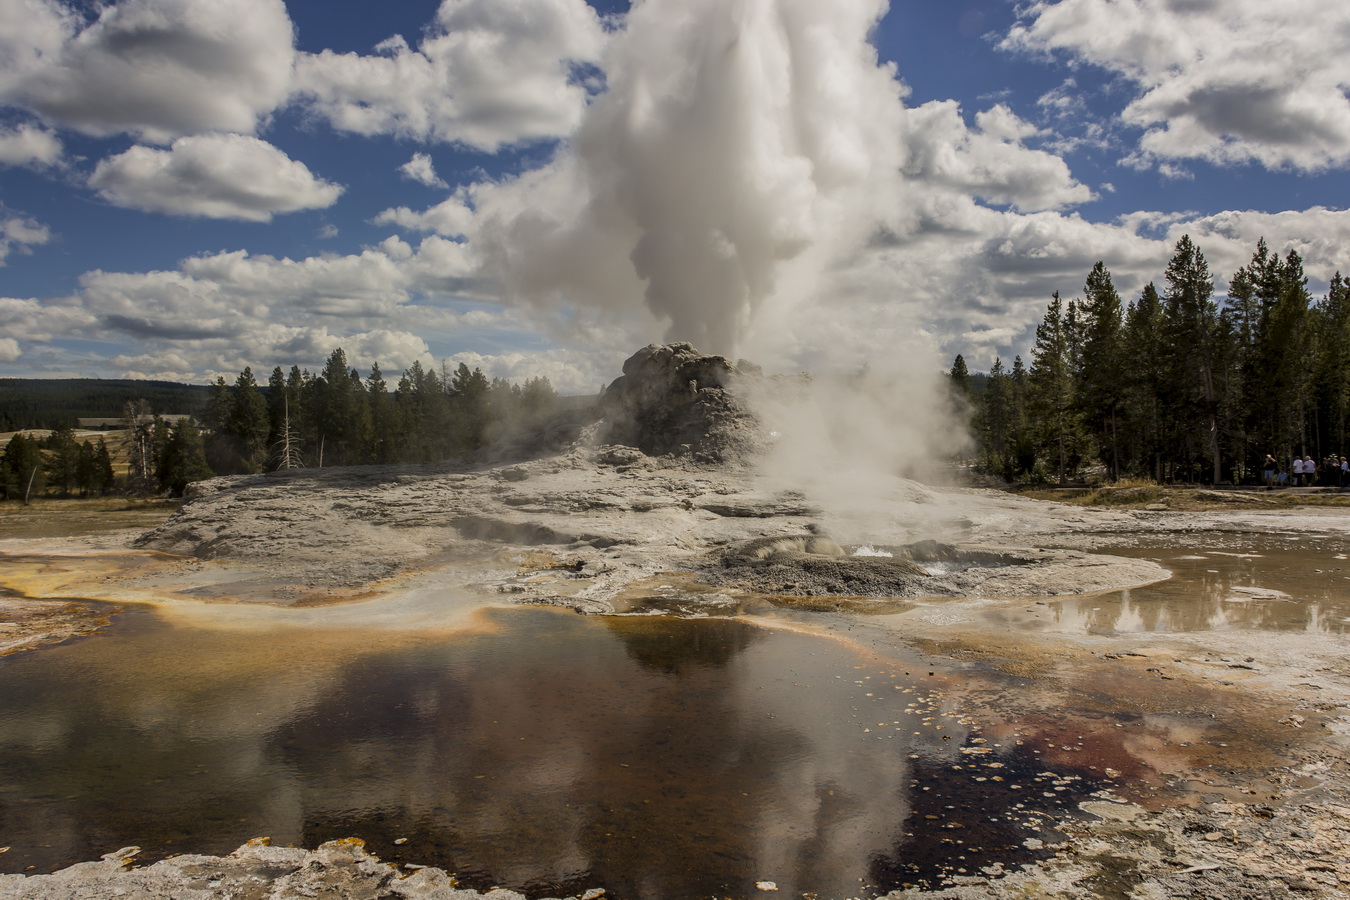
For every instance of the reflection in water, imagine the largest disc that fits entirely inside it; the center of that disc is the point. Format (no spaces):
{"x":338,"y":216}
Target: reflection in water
{"x":544,"y":751}
{"x":1282,"y":586}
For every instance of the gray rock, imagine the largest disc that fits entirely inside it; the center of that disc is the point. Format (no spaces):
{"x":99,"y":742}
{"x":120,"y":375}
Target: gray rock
{"x":256,"y":871}
{"x":671,"y":399}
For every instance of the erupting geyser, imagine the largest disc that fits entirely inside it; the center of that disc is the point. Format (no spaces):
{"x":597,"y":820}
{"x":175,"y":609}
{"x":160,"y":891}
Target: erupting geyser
{"x":740,"y":148}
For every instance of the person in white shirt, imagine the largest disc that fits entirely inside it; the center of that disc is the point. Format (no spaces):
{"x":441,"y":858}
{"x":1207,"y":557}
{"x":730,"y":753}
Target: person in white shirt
{"x":1298,"y":472}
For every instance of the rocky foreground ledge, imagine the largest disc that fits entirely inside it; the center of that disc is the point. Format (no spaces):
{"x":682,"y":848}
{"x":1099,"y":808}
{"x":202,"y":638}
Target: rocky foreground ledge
{"x":256,"y":871}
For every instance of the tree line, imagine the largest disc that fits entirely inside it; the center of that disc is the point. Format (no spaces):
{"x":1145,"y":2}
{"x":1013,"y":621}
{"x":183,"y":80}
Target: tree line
{"x":327,"y":418}
{"x":56,"y":463}
{"x":1177,"y":385}
{"x":49,"y":403}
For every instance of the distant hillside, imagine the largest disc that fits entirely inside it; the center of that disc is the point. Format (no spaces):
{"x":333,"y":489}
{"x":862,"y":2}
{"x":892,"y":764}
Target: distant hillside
{"x":52,"y":402}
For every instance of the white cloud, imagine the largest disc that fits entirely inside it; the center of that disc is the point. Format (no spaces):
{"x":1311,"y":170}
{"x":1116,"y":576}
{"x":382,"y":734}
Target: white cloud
{"x":29,"y":145}
{"x":155,"y":68}
{"x":489,"y":73}
{"x":1319,"y":234}
{"x":368,"y":285}
{"x":451,"y":217}
{"x":990,"y":162}
{"x":38,"y":322}
{"x":21,"y":234}
{"x":274,"y":345}
{"x":32,"y":34}
{"x":9,"y":350}
{"x":420,"y":169}
{"x":1237,"y":81}
{"x":222,"y":311}
{"x":219,"y":176}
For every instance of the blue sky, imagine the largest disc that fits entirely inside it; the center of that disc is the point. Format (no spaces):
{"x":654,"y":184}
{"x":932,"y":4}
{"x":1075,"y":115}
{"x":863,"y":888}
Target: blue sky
{"x":542,"y":186}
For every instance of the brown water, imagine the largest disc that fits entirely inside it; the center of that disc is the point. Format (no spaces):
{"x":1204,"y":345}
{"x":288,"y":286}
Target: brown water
{"x":543,"y":751}
{"x":1287,"y":583}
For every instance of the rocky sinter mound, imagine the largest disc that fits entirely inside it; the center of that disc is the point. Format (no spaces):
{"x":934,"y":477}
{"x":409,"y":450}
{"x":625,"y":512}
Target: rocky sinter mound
{"x":256,"y":871}
{"x":578,"y":529}
{"x":668,"y":487}
{"x":673,"y":400}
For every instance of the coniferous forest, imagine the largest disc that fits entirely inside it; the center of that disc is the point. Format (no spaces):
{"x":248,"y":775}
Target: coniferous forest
{"x":1176,"y":385}
{"x":333,"y":417}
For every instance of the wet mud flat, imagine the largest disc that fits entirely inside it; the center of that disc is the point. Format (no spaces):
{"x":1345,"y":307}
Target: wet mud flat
{"x":1184,"y":738}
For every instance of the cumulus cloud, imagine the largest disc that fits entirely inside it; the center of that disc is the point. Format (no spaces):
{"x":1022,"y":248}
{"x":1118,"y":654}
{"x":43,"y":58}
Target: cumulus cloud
{"x":31,"y":320}
{"x":20,"y":234}
{"x":155,"y":68}
{"x":28,"y":322}
{"x":990,"y":161}
{"x":451,"y":217}
{"x":1235,"y":82}
{"x":273,"y":345}
{"x":421,"y":170}
{"x":32,"y":35}
{"x":29,"y":145}
{"x":222,"y":311}
{"x":488,"y":73}
{"x":218,"y":176}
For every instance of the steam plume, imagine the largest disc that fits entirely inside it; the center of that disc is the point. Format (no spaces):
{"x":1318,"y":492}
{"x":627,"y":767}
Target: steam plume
{"x":740,"y":149}
{"x":744,"y":155}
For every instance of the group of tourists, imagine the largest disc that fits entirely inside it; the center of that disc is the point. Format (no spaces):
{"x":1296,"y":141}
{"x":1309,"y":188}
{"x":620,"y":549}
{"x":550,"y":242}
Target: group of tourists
{"x":1334,"y":471}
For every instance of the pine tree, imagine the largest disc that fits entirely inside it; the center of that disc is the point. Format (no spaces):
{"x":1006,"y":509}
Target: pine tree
{"x":1191,"y":325}
{"x":276,"y":405}
{"x":359,"y":436}
{"x":1023,"y":432}
{"x":184,"y":459}
{"x":86,"y":469}
{"x":995,"y":423}
{"x":959,"y":377}
{"x":341,"y":417}
{"x":468,"y":401}
{"x":21,"y":468}
{"x":247,"y":423}
{"x":1333,"y":365}
{"x":103,"y":469}
{"x":382,"y":442}
{"x":1099,"y":375}
{"x":221,"y":452}
{"x":1051,"y":381}
{"x":63,"y":460}
{"x":538,"y":398}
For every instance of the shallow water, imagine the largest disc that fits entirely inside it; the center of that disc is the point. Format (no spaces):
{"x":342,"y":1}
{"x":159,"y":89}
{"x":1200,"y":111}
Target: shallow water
{"x":541,"y":750}
{"x":1275,"y":583}
{"x":657,"y":757}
